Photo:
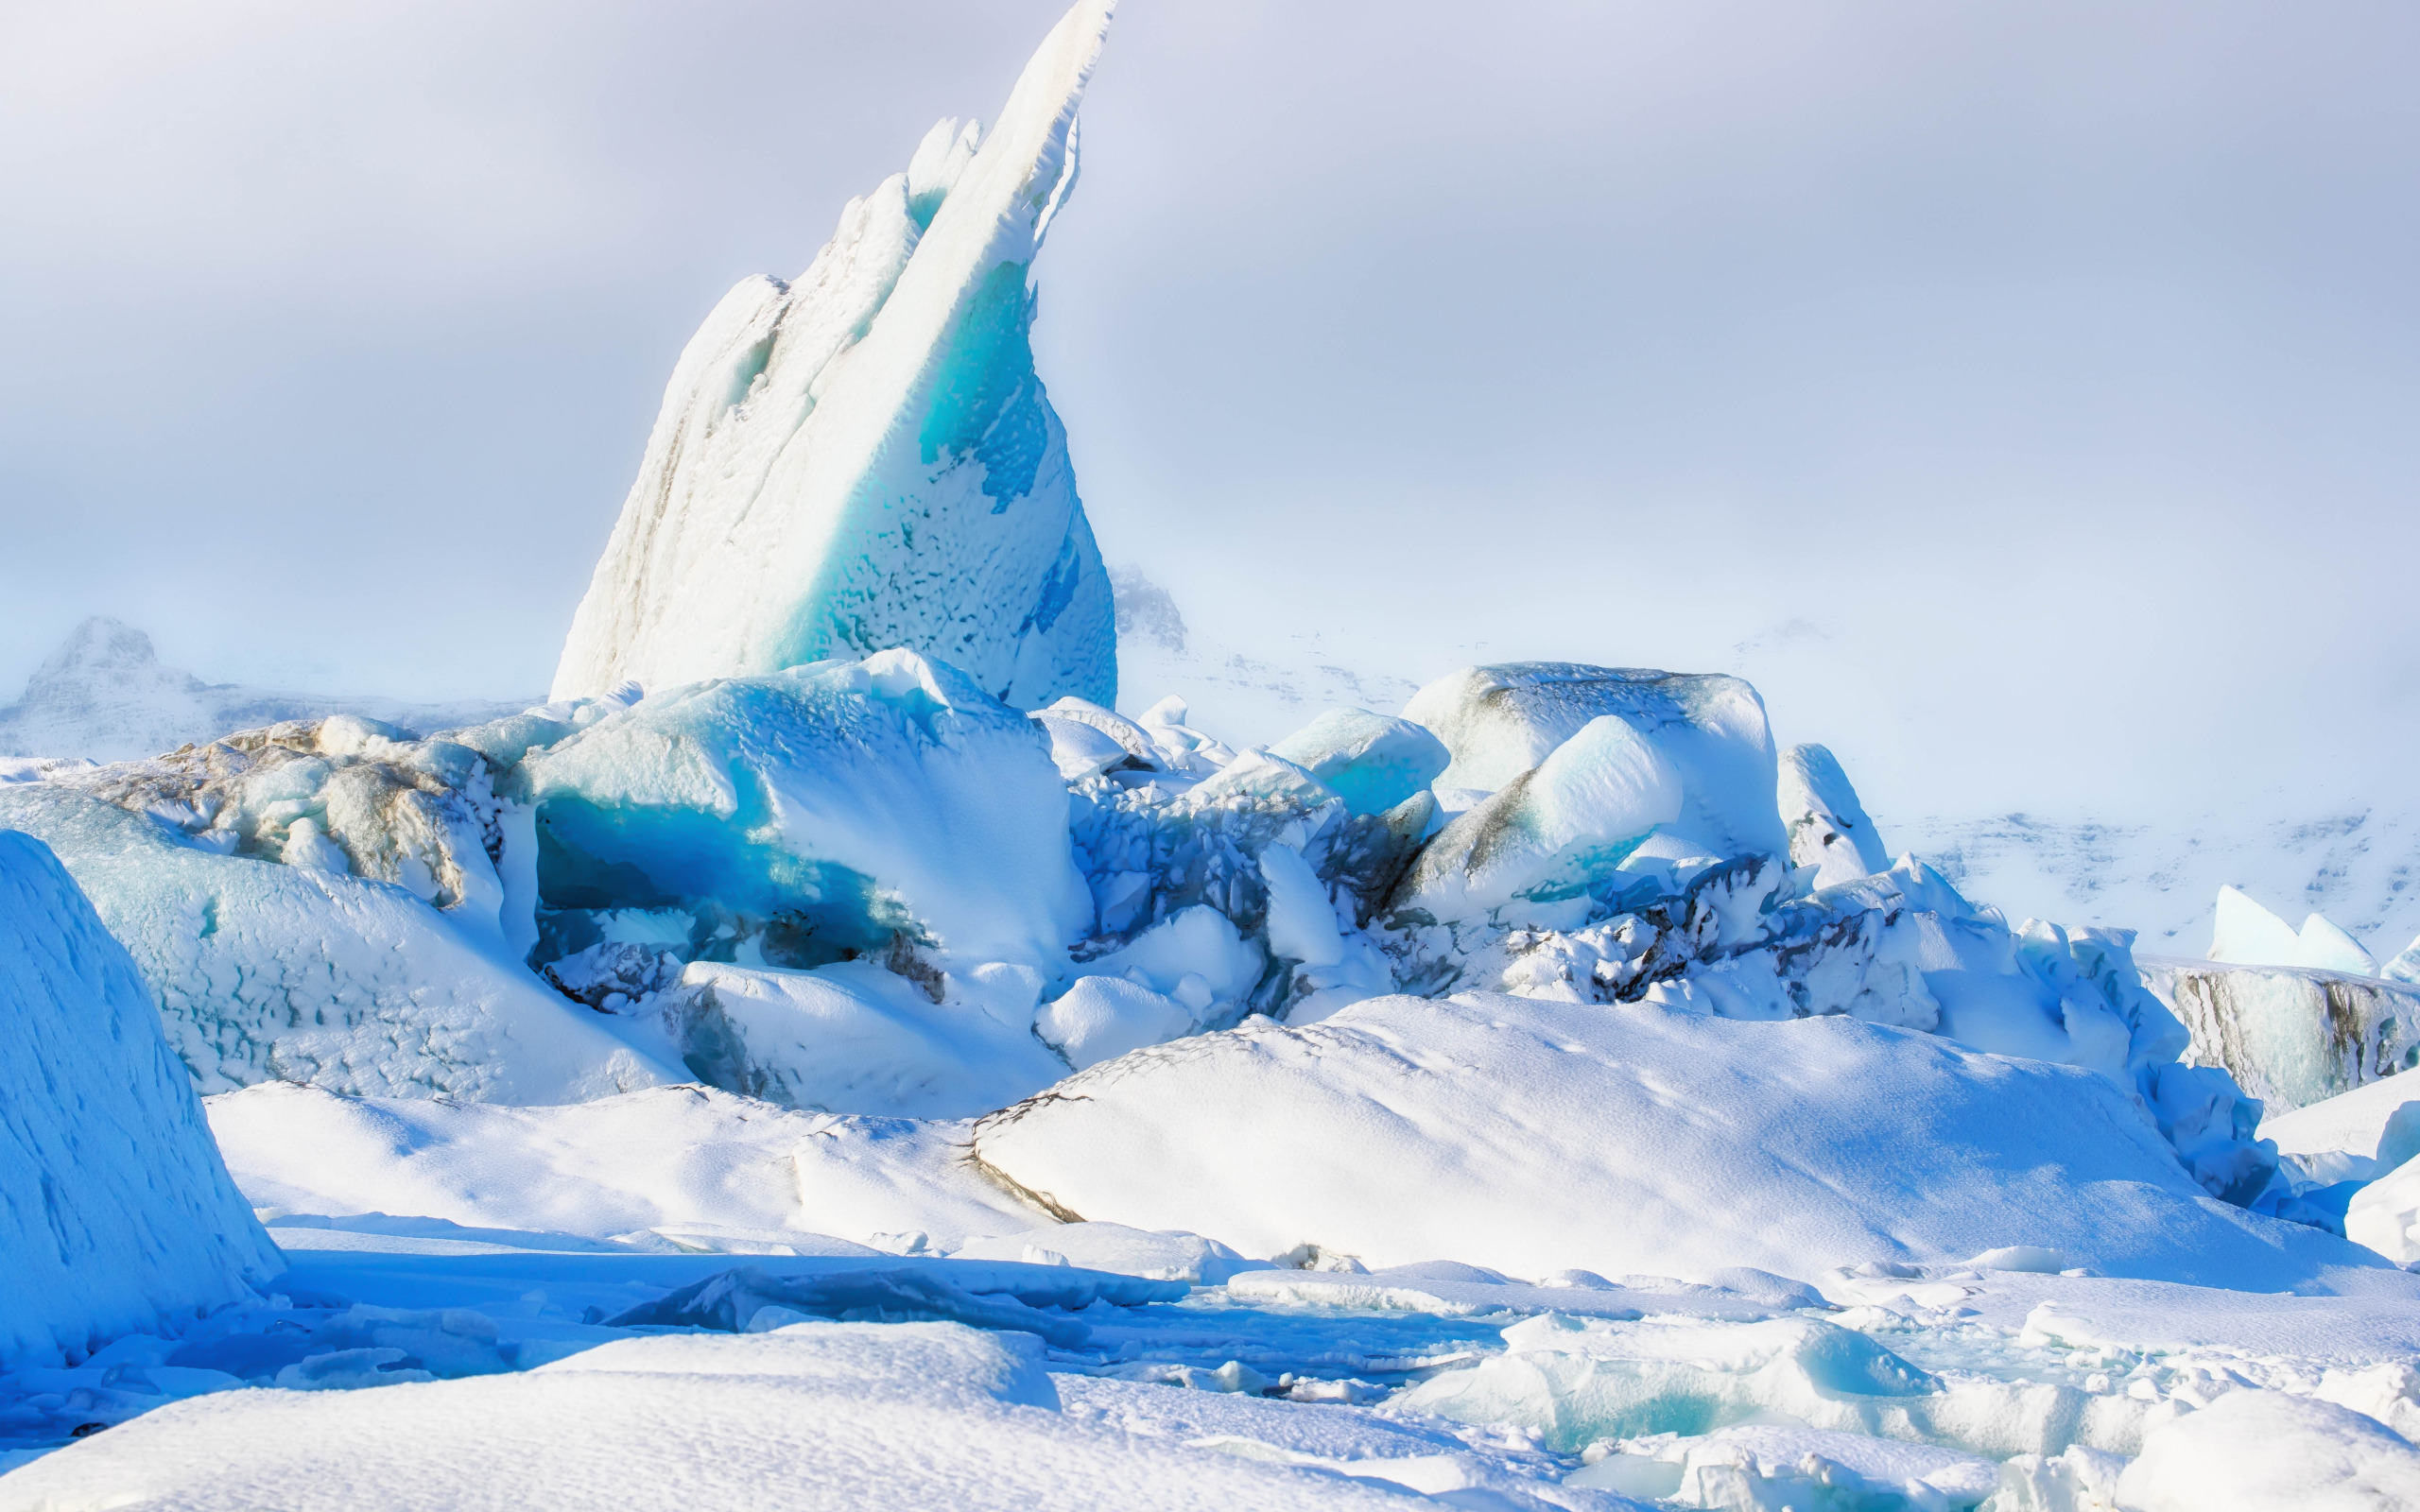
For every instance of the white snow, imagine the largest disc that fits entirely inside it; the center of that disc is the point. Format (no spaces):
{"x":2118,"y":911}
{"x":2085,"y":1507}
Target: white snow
{"x":1500,"y":1130}
{"x":2268,"y":1451}
{"x":1829,"y":828}
{"x":2352,"y":1122}
{"x":705,"y":1168}
{"x":2246,"y":934}
{"x":864,"y":459}
{"x":115,"y":1211}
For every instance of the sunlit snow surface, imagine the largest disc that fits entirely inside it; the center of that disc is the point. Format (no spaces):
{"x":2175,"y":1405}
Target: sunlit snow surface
{"x":1299,"y":1386}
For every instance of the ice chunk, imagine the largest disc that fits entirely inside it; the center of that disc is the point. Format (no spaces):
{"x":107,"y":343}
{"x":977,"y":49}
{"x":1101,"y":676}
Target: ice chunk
{"x":2385,"y":1214}
{"x":1553,"y":834}
{"x":264,"y":971}
{"x":1081,"y":749}
{"x":853,"y":1038}
{"x":2255,"y":1451}
{"x":1102,"y":1016}
{"x":816,"y":814}
{"x":1500,"y":721}
{"x":1114,"y":1246}
{"x":1370,"y":760}
{"x":115,"y":1211}
{"x":1579,"y":1379}
{"x":2352,"y":1123}
{"x":1517,"y":1121}
{"x":1828,"y":827}
{"x":2293,"y":1037}
{"x":2246,"y":934}
{"x":865,"y":459}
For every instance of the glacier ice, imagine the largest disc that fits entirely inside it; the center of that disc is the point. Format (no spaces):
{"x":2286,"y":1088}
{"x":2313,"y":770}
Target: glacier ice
{"x":2246,"y":934}
{"x":263,"y":970}
{"x":1373,"y":761}
{"x":116,"y":1213}
{"x":863,"y":459}
{"x":812,"y":815}
{"x":1828,"y":827}
{"x":2291,"y":1036}
{"x":1500,"y":721}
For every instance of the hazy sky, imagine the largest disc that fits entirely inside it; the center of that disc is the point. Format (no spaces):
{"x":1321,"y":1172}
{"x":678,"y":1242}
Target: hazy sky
{"x":2023,"y":394}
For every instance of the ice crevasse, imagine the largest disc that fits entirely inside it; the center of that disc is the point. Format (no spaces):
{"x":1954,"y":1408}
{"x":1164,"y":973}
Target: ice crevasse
{"x":864,"y":459}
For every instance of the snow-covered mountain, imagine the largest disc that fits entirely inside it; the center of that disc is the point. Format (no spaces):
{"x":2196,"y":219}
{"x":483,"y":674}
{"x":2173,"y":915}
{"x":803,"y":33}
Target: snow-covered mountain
{"x":104,"y":695}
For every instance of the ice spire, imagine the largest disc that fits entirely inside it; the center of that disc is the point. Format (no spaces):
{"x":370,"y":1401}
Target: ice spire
{"x":864,"y":459}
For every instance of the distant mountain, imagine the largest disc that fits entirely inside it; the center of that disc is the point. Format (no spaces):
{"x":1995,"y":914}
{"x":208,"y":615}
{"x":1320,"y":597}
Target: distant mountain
{"x":104,"y":695}
{"x":1243,"y":700}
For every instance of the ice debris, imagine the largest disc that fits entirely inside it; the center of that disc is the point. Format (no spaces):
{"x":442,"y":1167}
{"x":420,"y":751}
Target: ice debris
{"x":864,"y":459}
{"x":1828,"y":827}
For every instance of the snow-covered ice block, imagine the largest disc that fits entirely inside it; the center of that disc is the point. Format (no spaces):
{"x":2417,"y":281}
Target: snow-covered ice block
{"x":814,"y":815}
{"x":1500,"y":721}
{"x":2385,"y":1213}
{"x":1373,"y":761}
{"x":2350,"y":1122}
{"x":2291,"y":1036}
{"x":864,"y":459}
{"x":1114,"y":1246}
{"x":1101,"y":1018}
{"x":265,"y":972}
{"x":2268,"y":1451}
{"x":2246,"y":934}
{"x":856,"y":1037}
{"x":1081,"y":749}
{"x":1829,"y":828}
{"x":116,"y":1213}
{"x":1539,"y":848}
{"x":1577,"y":1381}
{"x":1768,"y":1465}
{"x":1499,"y":1129}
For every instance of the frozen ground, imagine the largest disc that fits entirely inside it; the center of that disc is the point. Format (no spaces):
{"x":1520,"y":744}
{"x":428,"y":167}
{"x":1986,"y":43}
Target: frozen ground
{"x":539,"y":1345}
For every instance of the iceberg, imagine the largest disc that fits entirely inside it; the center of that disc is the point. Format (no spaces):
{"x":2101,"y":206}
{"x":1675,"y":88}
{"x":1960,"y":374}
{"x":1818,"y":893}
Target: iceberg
{"x":863,"y":459}
{"x":116,"y":1213}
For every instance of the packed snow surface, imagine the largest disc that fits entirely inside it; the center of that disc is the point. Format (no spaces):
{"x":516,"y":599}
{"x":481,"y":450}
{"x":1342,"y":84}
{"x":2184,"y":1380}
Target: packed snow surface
{"x":864,"y":459}
{"x":115,"y":1212}
{"x":1501,"y":1130}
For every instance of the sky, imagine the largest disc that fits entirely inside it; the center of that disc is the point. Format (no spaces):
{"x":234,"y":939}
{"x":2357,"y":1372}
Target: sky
{"x":2021,"y":395}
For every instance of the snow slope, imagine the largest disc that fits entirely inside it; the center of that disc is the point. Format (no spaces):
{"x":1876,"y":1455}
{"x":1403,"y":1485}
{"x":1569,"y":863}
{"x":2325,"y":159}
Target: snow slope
{"x":864,"y":459}
{"x":1532,"y":1136}
{"x":104,"y":695}
{"x":115,"y":1211}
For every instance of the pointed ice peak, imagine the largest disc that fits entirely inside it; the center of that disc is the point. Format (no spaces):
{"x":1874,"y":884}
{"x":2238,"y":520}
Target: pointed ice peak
{"x":2246,"y":934}
{"x":865,"y":459}
{"x":939,"y":162}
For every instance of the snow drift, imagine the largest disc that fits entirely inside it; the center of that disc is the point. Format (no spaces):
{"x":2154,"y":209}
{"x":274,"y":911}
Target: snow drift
{"x":864,"y":459}
{"x":115,"y":1211}
{"x":1533,"y":1136}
